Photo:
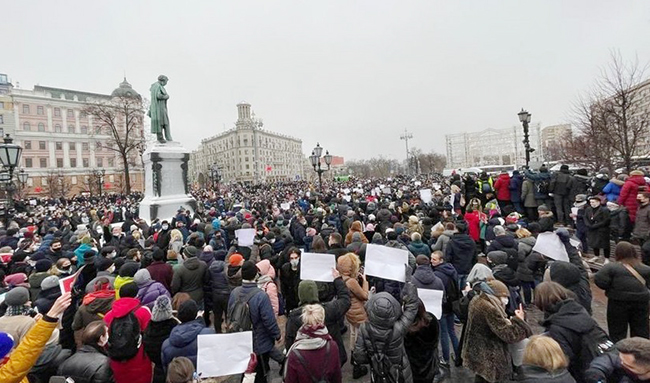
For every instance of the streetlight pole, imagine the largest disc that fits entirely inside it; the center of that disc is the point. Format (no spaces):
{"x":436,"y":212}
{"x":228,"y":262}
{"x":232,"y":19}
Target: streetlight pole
{"x":316,"y":163}
{"x":99,"y":174}
{"x":23,"y":176}
{"x":524,"y":118}
{"x":10,"y":158}
{"x":406,"y":137}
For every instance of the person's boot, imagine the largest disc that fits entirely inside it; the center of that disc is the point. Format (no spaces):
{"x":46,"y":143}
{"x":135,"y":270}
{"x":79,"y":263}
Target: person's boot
{"x":160,"y":138}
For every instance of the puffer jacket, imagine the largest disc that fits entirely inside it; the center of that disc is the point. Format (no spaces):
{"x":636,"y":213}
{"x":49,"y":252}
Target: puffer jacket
{"x":27,"y":352}
{"x":442,"y":241}
{"x":613,"y":189}
{"x":190,"y":278}
{"x":183,"y":341}
{"x":608,"y":368}
{"x":419,"y":248}
{"x":524,"y":249}
{"x":154,"y":337}
{"x":265,"y":327}
{"x":358,"y":294}
{"x":149,"y":291}
{"x":266,"y":283}
{"x":507,"y":244}
{"x":569,"y":276}
{"x":461,"y":253}
{"x":627,"y":197}
{"x":386,"y":318}
{"x":219,"y":278}
{"x":87,"y":365}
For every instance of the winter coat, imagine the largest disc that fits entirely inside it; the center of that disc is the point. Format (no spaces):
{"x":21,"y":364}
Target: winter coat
{"x":267,"y":284}
{"x":581,"y":185}
{"x":289,"y":281}
{"x":570,"y":276}
{"x":385,"y":317}
{"x":443,"y":240}
{"x":608,"y":368}
{"x":507,"y":244}
{"x":92,"y":309}
{"x":473,"y":225}
{"x":619,"y":284}
{"x":487,"y":334}
{"x":597,"y":222}
{"x":449,"y":277}
{"x":419,"y":247}
{"x":628,"y":194}
{"x":318,"y":363}
{"x":87,"y":365}
{"x":613,"y":189}
{"x":562,"y":183}
{"x":149,"y":291}
{"x":190,"y":278}
{"x":502,"y":187}
{"x":25,"y":355}
{"x":356,"y":227}
{"x":618,"y":222}
{"x":183,"y":341}
{"x":422,"y":350}
{"x":537,"y":179}
{"x":219,"y":278}
{"x":425,"y":278}
{"x":525,"y":248}
{"x":123,"y":306}
{"x":298,"y":232}
{"x":35,"y":284}
{"x":528,"y":193}
{"x":358,"y":294}
{"x":567,"y":322}
{"x":642,"y":222}
{"x":516,"y":181}
{"x":461,"y":253}
{"x":135,"y":370}
{"x":265,"y":327}
{"x":154,"y":337}
{"x":234,"y":276}
{"x":162,"y":272}
{"x":535,"y":374}
{"x":334,"y":313}
{"x":46,"y":299}
{"x":506,"y":275}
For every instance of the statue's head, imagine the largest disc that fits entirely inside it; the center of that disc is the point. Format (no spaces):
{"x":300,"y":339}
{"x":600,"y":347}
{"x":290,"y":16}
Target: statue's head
{"x":163,"y":79}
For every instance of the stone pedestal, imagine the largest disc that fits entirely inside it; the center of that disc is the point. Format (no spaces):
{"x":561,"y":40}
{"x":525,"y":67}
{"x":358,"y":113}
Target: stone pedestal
{"x":166,"y":187}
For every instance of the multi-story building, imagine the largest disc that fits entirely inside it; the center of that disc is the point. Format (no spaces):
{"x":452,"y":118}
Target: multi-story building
{"x":61,"y":142}
{"x":6,"y":106}
{"x":248,"y":153}
{"x":492,"y":147}
{"x":552,"y":139}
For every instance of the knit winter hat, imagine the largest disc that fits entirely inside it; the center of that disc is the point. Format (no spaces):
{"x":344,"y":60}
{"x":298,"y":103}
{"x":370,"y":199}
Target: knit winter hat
{"x":17,"y":296}
{"x":162,"y":309}
{"x":187,"y":311}
{"x":500,"y":290}
{"x":43,"y":265}
{"x":190,"y":251}
{"x":103,"y":264}
{"x":308,"y":292}
{"x":543,"y":208}
{"x":235,"y":259}
{"x":6,"y":344}
{"x":50,"y":282}
{"x":248,"y":271}
{"x":497,"y":257}
{"x":141,"y":277}
{"x":129,"y":269}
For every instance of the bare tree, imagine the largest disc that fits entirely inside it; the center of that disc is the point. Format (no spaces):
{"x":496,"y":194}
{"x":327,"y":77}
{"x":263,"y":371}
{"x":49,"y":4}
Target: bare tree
{"x":121,"y":119}
{"x":58,"y":184}
{"x":432,"y":162}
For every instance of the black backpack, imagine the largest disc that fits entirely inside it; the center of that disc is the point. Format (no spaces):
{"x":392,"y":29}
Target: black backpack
{"x":543,"y":186}
{"x":382,"y":370}
{"x":239,"y":314}
{"x":594,"y":344}
{"x":303,"y":363}
{"x":124,"y":337}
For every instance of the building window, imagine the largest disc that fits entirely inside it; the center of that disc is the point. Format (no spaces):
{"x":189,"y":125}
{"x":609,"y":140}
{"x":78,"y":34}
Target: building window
{"x":111,"y":162}
{"x":2,"y":119}
{"x":70,"y":113}
{"x":85,"y":162}
{"x":57,"y":128}
{"x":43,"y":162}
{"x":73,"y":180}
{"x":40,"y":111}
{"x":25,"y":109}
{"x":100,"y":162}
{"x":28,"y":144}
{"x":84,"y":130}
{"x":2,"y":104}
{"x":41,"y":127}
{"x":72,"y":146}
{"x":59,"y":162}
{"x":44,"y":181}
{"x":111,"y":178}
{"x":84,"y":146}
{"x":26,"y":126}
{"x":57,"y":112}
{"x":59,"y":145}
{"x":28,"y":162}
{"x":70,"y":128}
{"x":41,"y":145}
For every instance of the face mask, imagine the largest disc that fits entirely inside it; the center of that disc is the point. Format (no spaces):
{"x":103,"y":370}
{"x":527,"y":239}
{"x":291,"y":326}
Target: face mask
{"x":165,"y":227}
{"x":114,"y":254}
{"x":294,"y":262}
{"x":505,"y":301}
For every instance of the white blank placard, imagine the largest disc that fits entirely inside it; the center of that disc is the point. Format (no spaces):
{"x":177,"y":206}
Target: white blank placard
{"x":224,"y":354}
{"x":432,"y":300}
{"x":285,"y":205}
{"x":425,"y":195}
{"x":317,"y":267}
{"x":386,"y":262}
{"x":550,"y":245}
{"x":245,"y":237}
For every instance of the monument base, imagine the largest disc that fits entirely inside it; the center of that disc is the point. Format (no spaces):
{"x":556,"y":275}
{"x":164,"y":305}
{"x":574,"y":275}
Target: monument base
{"x":166,"y":182}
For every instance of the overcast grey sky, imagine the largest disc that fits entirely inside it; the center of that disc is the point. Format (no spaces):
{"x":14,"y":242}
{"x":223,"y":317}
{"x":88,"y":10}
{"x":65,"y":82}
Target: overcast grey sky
{"x":349,"y":74}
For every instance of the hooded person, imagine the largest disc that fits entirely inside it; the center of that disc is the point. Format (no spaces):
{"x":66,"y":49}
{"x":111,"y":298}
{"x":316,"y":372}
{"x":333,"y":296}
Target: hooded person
{"x":569,"y":276}
{"x":424,"y":277}
{"x":386,"y":328}
{"x":266,"y":282}
{"x":159,"y":329}
{"x":183,"y":339}
{"x":148,"y":289}
{"x":42,"y":271}
{"x":191,"y":276}
{"x":125,"y":276}
{"x":95,"y":304}
{"x":50,"y":291}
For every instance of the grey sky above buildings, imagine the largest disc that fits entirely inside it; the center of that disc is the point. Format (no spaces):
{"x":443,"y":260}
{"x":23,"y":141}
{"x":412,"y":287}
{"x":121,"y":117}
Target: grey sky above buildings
{"x":351,"y":75}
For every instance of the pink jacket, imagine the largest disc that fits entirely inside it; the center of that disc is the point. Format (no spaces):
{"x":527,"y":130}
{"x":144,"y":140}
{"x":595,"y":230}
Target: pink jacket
{"x":266,"y":283}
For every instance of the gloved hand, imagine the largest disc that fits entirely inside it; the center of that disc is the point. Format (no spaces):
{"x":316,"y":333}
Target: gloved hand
{"x":563,"y":233}
{"x":252,"y":364}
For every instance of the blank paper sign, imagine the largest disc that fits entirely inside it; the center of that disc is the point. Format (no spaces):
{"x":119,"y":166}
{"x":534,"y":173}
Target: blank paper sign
{"x":432,"y":300}
{"x":550,"y":245}
{"x":245,"y":237}
{"x":317,"y":267}
{"x":224,"y":354}
{"x":386,"y":262}
{"x":425,"y":195}
{"x":285,"y":205}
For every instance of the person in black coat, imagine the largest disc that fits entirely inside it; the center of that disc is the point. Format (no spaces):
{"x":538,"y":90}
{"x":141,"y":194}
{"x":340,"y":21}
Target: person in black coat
{"x":334,"y":312}
{"x":90,"y":364}
{"x":628,"y":363}
{"x":49,"y":293}
{"x":566,"y":321}
{"x":161,"y":325}
{"x":421,"y":345}
{"x":573,"y":276}
{"x":597,"y":219}
{"x":289,"y":280}
{"x":506,"y":243}
{"x":544,"y":362}
{"x":461,"y":252}
{"x":220,"y":290}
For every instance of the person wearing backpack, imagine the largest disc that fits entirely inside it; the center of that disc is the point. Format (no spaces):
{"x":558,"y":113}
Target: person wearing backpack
{"x":626,"y":284}
{"x":267,"y":284}
{"x":126,"y":322}
{"x":569,"y":324}
{"x":191,"y":276}
{"x":561,"y":187}
{"x":183,"y":339}
{"x":313,"y":357}
{"x":541,"y":185}
{"x":381,"y":339}
{"x":249,"y":308}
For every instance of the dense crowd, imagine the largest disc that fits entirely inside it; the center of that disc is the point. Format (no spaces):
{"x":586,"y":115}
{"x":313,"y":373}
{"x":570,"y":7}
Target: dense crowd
{"x":143,"y":292}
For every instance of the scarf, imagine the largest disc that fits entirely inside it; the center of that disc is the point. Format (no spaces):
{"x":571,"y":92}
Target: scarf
{"x":311,"y":338}
{"x":263,"y":280}
{"x":13,"y":311}
{"x":101,"y":294}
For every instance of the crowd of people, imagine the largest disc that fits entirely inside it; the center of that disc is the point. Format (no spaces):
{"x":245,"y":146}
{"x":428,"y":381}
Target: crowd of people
{"x":144,"y":291}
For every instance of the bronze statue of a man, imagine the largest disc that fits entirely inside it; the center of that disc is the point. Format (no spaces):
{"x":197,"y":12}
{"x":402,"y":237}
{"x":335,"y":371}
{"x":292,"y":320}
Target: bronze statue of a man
{"x":158,"y":110}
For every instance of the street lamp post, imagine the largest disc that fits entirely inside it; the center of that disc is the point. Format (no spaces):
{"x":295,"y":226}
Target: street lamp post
{"x":316,"y":163}
{"x":215,"y":175}
{"x":10,"y":158}
{"x":524,"y":118}
{"x":23,"y":176}
{"x":99,"y":175}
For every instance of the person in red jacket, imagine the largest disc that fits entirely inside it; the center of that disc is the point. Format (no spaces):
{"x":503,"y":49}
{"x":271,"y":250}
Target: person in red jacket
{"x":634,"y":184}
{"x":139,"y":369}
{"x":502,"y":188}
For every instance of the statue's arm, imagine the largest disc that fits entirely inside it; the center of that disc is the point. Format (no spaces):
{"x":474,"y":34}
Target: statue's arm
{"x":163,"y":96}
